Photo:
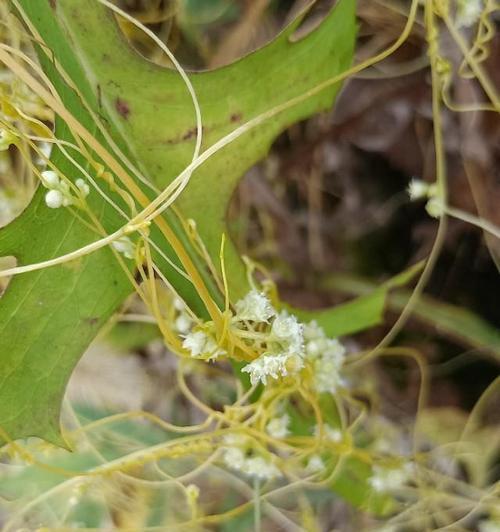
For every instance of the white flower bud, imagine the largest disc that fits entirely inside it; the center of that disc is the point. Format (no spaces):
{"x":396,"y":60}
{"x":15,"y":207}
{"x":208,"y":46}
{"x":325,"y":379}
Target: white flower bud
{"x":435,"y":207}
{"x":183,"y":323}
{"x":83,"y":187}
{"x":124,"y":246}
{"x":54,"y":199}
{"x":50,"y":179}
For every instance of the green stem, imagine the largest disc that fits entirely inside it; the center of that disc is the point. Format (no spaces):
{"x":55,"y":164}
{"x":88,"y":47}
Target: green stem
{"x":474,"y":220}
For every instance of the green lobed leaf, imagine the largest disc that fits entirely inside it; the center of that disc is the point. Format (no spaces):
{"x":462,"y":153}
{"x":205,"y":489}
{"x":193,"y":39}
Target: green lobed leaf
{"x":49,"y":317}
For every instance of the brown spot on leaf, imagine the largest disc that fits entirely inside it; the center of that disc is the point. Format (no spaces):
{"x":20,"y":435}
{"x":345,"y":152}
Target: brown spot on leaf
{"x":236,"y":117}
{"x":53,"y":3}
{"x":122,"y":108}
{"x":99,"y":96}
{"x":190,"y":133}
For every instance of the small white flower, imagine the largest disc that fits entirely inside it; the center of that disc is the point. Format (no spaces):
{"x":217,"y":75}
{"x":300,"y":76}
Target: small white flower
{"x":387,"y":480}
{"x":274,"y":366}
{"x":418,"y":189}
{"x":315,"y":464}
{"x":83,"y":187}
{"x":327,"y":378}
{"x":333,"y":435}
{"x":278,"y":427}
{"x":54,"y":199}
{"x":195,"y":342}
{"x":234,"y":458}
{"x":254,"y":306}
{"x":253,"y":466}
{"x":287,"y":330}
{"x":334,"y":351}
{"x":200,"y":344}
{"x":124,"y":246}
{"x":260,"y":468}
{"x":327,"y":357}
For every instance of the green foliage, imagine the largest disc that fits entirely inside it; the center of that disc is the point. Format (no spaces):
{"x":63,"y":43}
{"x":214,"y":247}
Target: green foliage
{"x":449,"y":320}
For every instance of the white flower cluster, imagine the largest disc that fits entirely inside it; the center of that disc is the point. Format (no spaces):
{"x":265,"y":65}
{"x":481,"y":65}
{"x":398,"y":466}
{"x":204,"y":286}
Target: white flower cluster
{"x":198,"y":342}
{"x":389,"y":480}
{"x":255,"y":307}
{"x":315,"y":464}
{"x":238,"y":456}
{"x":285,"y":345}
{"x":274,"y":366}
{"x":468,"y":12}
{"x":284,"y":341}
{"x":327,"y":357}
{"x":59,"y":192}
{"x":290,"y":345}
{"x":201,"y":345}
